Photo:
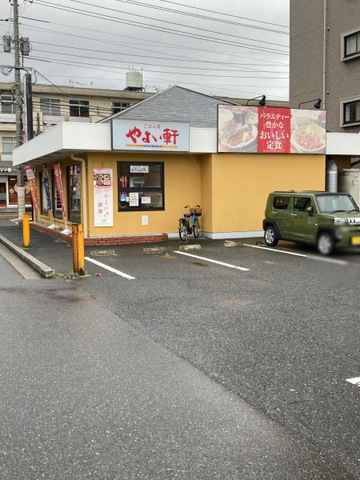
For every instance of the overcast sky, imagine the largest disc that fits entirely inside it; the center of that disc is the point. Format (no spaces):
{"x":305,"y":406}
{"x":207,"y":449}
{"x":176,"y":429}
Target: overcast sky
{"x":234,"y":48}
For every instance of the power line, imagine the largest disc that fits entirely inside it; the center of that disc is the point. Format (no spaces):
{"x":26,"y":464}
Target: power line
{"x":193,"y":15}
{"x":165,"y":61}
{"x":220,"y":13}
{"x":101,"y":40}
{"x":145,"y":63}
{"x":64,"y":62}
{"x":164,"y":29}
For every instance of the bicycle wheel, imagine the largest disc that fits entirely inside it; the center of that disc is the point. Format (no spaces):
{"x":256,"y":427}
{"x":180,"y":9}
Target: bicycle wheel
{"x":182,"y":232}
{"x":196,"y":228}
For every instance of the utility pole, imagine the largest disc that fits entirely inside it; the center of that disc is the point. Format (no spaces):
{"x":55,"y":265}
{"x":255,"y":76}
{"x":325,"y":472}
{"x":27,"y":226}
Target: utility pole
{"x":18,"y":110}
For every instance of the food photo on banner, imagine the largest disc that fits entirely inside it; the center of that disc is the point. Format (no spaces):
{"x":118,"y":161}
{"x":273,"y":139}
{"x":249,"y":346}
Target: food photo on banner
{"x":30,"y":175}
{"x":103,"y":197}
{"x":271,"y":130}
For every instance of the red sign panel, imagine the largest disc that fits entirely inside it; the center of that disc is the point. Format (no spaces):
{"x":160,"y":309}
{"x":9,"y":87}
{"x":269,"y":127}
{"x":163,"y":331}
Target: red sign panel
{"x":274,"y":130}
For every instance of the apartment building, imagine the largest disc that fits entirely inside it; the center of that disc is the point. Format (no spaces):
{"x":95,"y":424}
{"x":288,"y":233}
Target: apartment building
{"x":325,"y":59}
{"x":325,"y":65}
{"x":52,"y":105}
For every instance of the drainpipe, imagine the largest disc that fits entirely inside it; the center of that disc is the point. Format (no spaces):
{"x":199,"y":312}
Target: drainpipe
{"x":331,"y":176}
{"x":84,"y":195}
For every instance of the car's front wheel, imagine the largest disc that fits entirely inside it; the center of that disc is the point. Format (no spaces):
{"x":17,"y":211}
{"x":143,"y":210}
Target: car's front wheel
{"x":270,"y":236}
{"x":325,"y":243}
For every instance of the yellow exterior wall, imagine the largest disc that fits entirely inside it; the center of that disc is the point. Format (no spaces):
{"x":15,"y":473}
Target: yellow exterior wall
{"x":182,"y":185}
{"x":242,"y":182}
{"x":231,"y":188}
{"x":206,"y":220}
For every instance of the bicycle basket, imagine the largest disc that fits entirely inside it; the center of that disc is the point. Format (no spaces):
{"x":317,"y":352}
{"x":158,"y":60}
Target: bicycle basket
{"x":197,"y":211}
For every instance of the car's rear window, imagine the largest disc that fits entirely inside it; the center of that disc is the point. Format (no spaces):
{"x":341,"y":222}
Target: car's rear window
{"x":281,"y":203}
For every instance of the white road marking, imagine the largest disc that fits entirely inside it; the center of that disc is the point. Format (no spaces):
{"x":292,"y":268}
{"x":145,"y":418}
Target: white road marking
{"x":327,"y":259}
{"x":354,"y":381}
{"x":113,"y":270}
{"x":275,"y":250}
{"x":229,"y":265}
{"x":310,"y":257}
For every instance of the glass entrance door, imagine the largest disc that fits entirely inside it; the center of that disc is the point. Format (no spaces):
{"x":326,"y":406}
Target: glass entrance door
{"x":2,"y":194}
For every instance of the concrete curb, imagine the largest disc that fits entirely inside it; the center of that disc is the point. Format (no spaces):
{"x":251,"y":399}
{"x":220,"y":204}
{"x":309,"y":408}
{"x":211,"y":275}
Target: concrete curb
{"x":39,"y":266}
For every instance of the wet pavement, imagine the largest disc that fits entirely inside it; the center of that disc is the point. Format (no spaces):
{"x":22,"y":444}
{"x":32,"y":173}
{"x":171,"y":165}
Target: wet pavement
{"x":85,"y":395}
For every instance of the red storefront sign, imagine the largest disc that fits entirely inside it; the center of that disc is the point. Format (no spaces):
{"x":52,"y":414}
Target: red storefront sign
{"x":274,"y":130}
{"x":150,"y":135}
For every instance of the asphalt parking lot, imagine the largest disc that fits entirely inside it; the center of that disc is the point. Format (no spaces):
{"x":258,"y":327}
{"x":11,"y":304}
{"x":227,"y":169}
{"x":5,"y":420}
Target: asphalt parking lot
{"x":278,"y":327}
{"x":245,"y":255}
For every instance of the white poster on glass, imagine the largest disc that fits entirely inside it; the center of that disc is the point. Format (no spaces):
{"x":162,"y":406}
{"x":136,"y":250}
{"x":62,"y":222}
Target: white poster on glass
{"x":103,"y":197}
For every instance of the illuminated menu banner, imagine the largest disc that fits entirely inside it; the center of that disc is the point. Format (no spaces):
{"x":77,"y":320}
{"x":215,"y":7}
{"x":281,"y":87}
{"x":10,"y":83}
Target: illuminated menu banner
{"x":271,"y":130}
{"x":150,"y":135}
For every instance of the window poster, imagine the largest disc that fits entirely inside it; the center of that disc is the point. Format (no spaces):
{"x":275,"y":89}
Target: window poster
{"x":103,"y":197}
{"x":134,"y":199}
{"x":271,"y":130}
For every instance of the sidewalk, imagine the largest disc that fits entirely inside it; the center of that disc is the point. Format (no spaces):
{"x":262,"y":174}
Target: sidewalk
{"x":46,"y":254}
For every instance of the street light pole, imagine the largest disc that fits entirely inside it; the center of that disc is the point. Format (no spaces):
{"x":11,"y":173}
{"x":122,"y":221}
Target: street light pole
{"x":18,"y":110}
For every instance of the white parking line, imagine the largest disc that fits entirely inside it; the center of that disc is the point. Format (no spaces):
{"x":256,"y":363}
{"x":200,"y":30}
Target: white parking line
{"x":354,"y":381}
{"x":275,"y":250}
{"x":113,"y":270}
{"x":327,"y":259}
{"x":229,"y":265}
{"x":310,"y":257}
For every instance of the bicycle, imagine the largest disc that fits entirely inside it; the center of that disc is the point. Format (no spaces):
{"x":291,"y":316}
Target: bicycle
{"x":189,"y":224}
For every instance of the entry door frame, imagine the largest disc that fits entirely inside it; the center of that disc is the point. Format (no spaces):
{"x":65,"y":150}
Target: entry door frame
{"x":4,"y":195}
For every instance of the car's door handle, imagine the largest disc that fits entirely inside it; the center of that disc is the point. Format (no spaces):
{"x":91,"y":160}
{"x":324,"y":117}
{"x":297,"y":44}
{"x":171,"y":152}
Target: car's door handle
{"x":293,"y":214}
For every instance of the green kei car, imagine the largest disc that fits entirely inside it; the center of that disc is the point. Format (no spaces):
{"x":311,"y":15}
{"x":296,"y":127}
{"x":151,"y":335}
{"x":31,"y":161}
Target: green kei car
{"x":323,"y":219}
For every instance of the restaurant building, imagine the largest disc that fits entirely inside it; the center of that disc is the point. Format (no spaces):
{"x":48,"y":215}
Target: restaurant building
{"x":129,"y":177}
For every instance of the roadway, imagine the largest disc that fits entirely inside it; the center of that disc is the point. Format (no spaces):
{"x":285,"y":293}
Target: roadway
{"x":232,"y":361}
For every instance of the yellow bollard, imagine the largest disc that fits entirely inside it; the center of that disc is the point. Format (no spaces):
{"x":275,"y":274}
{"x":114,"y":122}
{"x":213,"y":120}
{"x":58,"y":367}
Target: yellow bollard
{"x":78,"y":248}
{"x":26,"y":230}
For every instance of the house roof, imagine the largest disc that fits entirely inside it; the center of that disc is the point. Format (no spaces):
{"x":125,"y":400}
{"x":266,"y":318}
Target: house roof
{"x":176,"y":104}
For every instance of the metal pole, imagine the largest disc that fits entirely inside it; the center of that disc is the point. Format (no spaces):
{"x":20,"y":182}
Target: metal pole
{"x":78,"y":248}
{"x":29,"y":109}
{"x":26,"y":230}
{"x":18,"y":110}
